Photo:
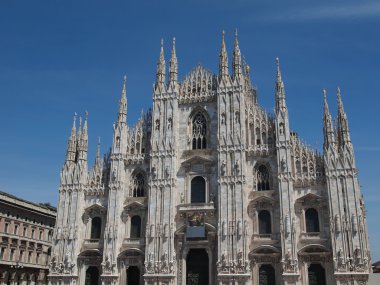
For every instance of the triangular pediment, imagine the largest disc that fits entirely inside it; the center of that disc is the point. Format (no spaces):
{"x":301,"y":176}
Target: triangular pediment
{"x":198,"y":159}
{"x":309,"y":197}
{"x":95,"y":207}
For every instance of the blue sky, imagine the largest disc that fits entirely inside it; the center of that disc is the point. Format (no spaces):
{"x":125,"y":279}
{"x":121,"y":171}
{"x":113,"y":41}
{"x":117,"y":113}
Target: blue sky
{"x":61,"y":57}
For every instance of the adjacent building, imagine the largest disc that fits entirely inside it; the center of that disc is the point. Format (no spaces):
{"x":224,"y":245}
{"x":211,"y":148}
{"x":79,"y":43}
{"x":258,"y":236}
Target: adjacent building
{"x":209,"y":188}
{"x":26,"y":231}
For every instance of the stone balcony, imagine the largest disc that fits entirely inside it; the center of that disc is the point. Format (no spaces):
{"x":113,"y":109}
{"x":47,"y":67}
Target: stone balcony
{"x":196,"y":207}
{"x":266,"y":238}
{"x":133,"y":243}
{"x":312,"y":237}
{"x":92,"y":244}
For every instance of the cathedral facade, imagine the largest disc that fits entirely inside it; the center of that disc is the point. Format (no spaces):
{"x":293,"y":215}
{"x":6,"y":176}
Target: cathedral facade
{"x":208,"y":188}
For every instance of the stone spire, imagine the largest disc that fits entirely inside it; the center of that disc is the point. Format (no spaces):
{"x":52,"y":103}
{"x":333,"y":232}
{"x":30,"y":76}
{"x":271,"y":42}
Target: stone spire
{"x":97,"y":157}
{"x":161,"y":67}
{"x":327,"y":123}
{"x":97,"y":169}
{"x":173,"y":65}
{"x":343,"y":130}
{"x":280,"y":90}
{"x":72,"y":144}
{"x":223,"y":60}
{"x":122,"y":114}
{"x":82,"y":139}
{"x":237,"y":63}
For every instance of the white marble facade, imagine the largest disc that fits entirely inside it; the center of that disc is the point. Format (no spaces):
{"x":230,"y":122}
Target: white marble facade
{"x":209,"y":188}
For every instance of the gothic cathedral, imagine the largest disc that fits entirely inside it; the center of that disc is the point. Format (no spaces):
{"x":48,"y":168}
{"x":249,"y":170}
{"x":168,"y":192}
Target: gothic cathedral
{"x":210,"y":189}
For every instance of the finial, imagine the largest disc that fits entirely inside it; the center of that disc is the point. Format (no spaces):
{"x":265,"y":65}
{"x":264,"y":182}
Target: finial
{"x":86,"y":114}
{"x":162,"y":42}
{"x":236,"y":32}
{"x":173,"y":41}
{"x":338,"y":91}
{"x":277,"y":62}
{"x":98,"y":140}
{"x":125,"y":78}
{"x":324,"y":93}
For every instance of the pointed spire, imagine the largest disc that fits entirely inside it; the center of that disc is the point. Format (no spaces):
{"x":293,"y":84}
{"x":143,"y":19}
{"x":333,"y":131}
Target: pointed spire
{"x":85,"y":134}
{"x":223,"y":60}
{"x":82,"y":139}
{"x":161,"y":66}
{"x":280,"y":89}
{"x":237,"y":63}
{"x":342,"y":128}
{"x":71,"y":144}
{"x":79,"y":134}
{"x":173,"y":65}
{"x":122,"y":114}
{"x":97,"y":158}
{"x":327,"y":123}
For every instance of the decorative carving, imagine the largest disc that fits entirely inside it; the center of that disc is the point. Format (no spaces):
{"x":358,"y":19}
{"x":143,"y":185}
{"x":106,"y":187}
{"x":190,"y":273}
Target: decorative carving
{"x":223,"y":168}
{"x":107,"y":265}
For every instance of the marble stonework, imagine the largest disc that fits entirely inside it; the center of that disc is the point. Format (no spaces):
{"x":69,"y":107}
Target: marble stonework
{"x":208,"y":172}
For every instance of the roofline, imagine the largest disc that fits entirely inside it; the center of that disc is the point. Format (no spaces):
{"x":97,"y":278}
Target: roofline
{"x":9,"y":198}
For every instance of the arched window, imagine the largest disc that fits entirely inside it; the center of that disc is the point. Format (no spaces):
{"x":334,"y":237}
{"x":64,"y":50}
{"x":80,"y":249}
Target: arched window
{"x":265,"y":225}
{"x":96,"y":228}
{"x":199,"y":131}
{"x":136,"y":227}
{"x":198,"y":190}
{"x":312,"y":220}
{"x":316,"y":274}
{"x":267,"y":275}
{"x":138,"y":185}
{"x":262,"y":176}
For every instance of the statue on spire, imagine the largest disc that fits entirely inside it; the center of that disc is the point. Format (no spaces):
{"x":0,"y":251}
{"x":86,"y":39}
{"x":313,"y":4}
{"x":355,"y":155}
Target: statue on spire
{"x":237,"y":63}
{"x":161,"y":67}
{"x":223,"y":60}
{"x":122,"y":114}
{"x":280,"y":89}
{"x":327,"y":123}
{"x":173,"y":65}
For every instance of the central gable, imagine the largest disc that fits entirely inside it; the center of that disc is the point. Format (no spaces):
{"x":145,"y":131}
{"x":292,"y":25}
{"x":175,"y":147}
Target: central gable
{"x":198,"y":86}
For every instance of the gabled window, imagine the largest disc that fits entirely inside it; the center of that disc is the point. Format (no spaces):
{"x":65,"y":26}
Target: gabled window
{"x":199,"y":131}
{"x":138,"y":189}
{"x":262,"y":178}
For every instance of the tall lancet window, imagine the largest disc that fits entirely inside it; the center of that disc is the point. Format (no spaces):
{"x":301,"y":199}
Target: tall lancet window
{"x":199,"y":131}
{"x":138,"y":185}
{"x":262,"y":178}
{"x":312,"y":220}
{"x":96,"y":227}
{"x":198,"y":190}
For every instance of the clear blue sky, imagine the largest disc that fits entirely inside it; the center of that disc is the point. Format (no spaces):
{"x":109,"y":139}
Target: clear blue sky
{"x":58,"y":57}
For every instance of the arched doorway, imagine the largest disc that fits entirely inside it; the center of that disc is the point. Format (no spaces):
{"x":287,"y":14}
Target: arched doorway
{"x":267,"y":275}
{"x":316,"y":274}
{"x":133,"y":275}
{"x":92,"y":276}
{"x":197,"y":267}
